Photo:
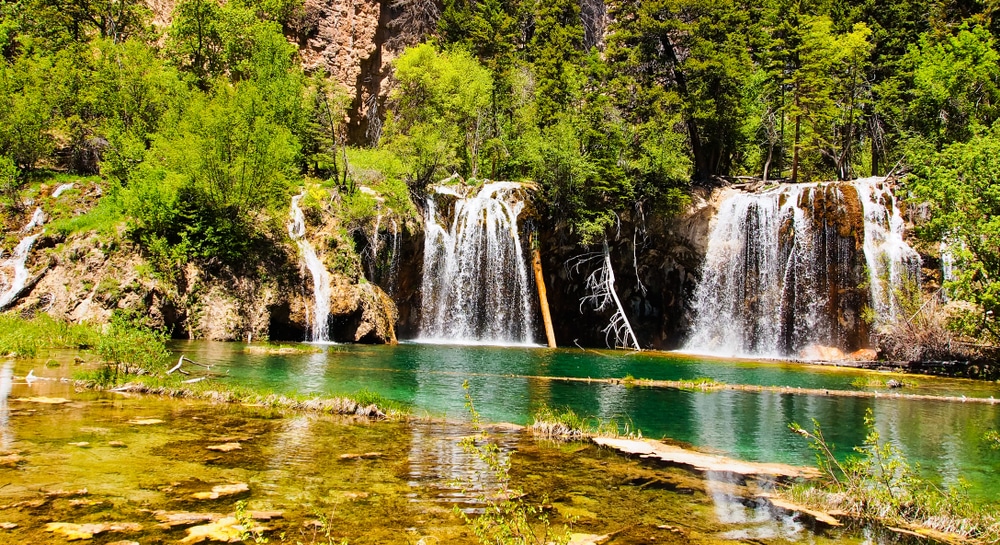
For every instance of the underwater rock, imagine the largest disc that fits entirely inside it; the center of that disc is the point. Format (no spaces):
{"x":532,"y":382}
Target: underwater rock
{"x":7,"y":525}
{"x":117,"y":444}
{"x":893,"y":383}
{"x":81,"y":444}
{"x":10,"y":459}
{"x":74,"y":532}
{"x":364,"y":456}
{"x":42,"y":400}
{"x":225,"y":530}
{"x":145,"y":421}
{"x":587,"y":539}
{"x":225,"y":447}
{"x":222,"y":491}
{"x":170,"y":519}
{"x":67,"y":493}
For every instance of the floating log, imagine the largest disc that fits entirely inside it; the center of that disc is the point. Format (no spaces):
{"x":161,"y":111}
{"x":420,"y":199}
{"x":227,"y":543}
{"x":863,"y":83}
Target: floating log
{"x":543,"y":300}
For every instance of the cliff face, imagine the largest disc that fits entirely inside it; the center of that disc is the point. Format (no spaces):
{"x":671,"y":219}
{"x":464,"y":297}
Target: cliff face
{"x":85,"y":277}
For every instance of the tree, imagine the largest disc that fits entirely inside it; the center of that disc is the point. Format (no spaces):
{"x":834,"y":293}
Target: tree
{"x":960,"y":184}
{"x":555,"y":52}
{"x":956,"y":90}
{"x":438,"y":112}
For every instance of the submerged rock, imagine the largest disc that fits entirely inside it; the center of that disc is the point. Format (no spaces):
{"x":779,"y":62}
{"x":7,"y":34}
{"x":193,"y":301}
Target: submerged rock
{"x":222,"y":491}
{"x":225,"y":447}
{"x":225,"y":530}
{"x":74,"y":532}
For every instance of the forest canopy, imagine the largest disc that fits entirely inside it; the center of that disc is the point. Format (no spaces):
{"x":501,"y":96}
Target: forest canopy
{"x":205,"y":122}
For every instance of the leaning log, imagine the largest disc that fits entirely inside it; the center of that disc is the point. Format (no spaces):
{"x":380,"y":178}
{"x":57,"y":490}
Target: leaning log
{"x":543,"y":300}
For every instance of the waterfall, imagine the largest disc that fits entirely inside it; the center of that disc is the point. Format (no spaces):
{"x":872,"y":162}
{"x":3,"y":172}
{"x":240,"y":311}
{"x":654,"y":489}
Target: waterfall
{"x":17,"y":262}
{"x":318,"y":326}
{"x":37,"y":219}
{"x":59,"y":190}
{"x":785,"y":269}
{"x":475,"y":284}
{"x":892,"y":263}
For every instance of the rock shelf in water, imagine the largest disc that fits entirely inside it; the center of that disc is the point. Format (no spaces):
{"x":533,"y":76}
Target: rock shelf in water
{"x":699,"y":461}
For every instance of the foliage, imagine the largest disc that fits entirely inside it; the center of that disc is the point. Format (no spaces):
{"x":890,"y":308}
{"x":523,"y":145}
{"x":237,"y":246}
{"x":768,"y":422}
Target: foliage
{"x":129,"y":347}
{"x":992,"y":437}
{"x":251,"y":531}
{"x":25,"y":338}
{"x":878,"y":484}
{"x":507,"y":517}
{"x":960,"y":183}
{"x":437,"y":113}
{"x":10,"y":184}
{"x":566,"y":424}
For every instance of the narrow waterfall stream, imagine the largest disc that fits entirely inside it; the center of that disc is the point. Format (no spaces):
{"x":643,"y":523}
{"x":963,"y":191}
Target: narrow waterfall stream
{"x":319,"y":329}
{"x":475,"y":286}
{"x":17,"y":262}
{"x":786,"y":270}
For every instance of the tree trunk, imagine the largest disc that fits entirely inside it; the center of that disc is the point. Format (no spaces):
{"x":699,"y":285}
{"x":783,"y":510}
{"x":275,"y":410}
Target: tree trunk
{"x":543,"y":300}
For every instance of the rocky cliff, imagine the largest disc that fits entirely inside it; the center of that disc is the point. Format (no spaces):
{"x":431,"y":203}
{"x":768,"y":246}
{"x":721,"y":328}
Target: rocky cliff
{"x":85,"y":276}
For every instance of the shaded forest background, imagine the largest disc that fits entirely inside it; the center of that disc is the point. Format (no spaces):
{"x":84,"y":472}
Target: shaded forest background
{"x":204,"y":123}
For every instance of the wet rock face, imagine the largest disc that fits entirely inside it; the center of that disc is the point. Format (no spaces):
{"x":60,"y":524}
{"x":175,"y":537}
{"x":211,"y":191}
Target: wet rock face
{"x":362,"y":313}
{"x":656,"y":260}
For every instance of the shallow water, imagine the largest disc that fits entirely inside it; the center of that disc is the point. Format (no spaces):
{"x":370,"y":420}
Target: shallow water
{"x":144,"y":454}
{"x":943,"y":437}
{"x":404,"y":493}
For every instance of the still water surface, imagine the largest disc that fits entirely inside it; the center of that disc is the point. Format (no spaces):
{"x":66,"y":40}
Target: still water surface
{"x":944,"y":437}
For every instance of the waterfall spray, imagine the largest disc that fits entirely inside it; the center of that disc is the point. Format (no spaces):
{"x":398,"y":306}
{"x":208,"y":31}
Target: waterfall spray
{"x":784,"y":268}
{"x":319,"y":328}
{"x":475,"y":284}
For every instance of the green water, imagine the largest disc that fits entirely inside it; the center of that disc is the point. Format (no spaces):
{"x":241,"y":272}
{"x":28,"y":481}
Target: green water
{"x":144,"y":454}
{"x":945,"y":438}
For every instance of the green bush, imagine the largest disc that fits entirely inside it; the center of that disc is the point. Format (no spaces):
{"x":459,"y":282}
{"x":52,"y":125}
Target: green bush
{"x":878,"y":484}
{"x":129,"y":347}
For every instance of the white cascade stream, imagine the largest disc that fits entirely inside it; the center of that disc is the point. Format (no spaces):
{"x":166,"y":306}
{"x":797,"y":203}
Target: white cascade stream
{"x":475,"y":286}
{"x":319,"y":329}
{"x":891,"y":261}
{"x":17,"y":262}
{"x":783,"y":268}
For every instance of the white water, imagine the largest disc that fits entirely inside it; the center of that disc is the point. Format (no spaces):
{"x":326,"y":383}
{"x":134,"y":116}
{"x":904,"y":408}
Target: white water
{"x":59,"y":190}
{"x":319,"y":329}
{"x":17,"y":262}
{"x":37,"y":219}
{"x":891,"y":262}
{"x":475,"y":286}
{"x":782,"y":269}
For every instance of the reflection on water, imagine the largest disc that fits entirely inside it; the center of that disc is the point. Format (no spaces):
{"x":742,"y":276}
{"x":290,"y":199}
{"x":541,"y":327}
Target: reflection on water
{"x":373,"y":482}
{"x":945,"y":438}
{"x":6,"y":379}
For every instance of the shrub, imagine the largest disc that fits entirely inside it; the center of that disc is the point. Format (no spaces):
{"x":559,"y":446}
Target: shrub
{"x":129,"y":347}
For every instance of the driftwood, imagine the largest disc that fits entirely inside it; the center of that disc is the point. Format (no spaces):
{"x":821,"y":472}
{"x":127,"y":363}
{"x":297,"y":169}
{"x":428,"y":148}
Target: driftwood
{"x":543,"y":300}
{"x":181,"y":361}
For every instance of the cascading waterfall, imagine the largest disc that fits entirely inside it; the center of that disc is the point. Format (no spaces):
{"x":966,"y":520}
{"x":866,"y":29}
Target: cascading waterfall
{"x":475,"y":284}
{"x":319,"y":329}
{"x":892,"y":263}
{"x":17,"y":262}
{"x":784,"y":269}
